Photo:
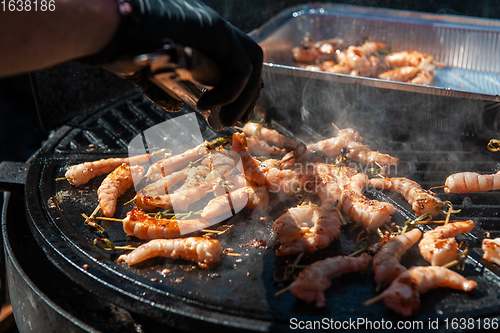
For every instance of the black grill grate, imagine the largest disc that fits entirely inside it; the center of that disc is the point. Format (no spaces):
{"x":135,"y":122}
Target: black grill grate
{"x":107,"y":133}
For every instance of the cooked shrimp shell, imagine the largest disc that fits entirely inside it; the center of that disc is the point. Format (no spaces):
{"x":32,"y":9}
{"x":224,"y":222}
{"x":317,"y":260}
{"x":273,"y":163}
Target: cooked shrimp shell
{"x":466,"y":182}
{"x":139,"y":224}
{"x":422,"y":201}
{"x":438,"y":246}
{"x":306,"y":228}
{"x":403,"y":295}
{"x":386,"y":265}
{"x":81,"y":173}
{"x":316,"y":278}
{"x":206,"y":252}
{"x":116,"y":184}
{"x":491,"y":249}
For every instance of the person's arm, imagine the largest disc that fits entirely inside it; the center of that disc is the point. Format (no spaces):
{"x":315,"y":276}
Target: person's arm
{"x":75,"y":29}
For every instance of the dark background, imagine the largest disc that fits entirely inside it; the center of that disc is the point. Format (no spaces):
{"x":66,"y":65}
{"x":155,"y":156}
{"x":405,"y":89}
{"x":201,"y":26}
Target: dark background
{"x":21,"y":134}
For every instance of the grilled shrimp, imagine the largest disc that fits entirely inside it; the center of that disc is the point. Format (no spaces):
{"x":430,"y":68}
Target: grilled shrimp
{"x":351,"y":139}
{"x":248,"y":196}
{"x":422,"y":201}
{"x":407,"y":58}
{"x":301,"y":54}
{"x":425,"y":77}
{"x":358,"y":58}
{"x":306,"y":228}
{"x":180,"y":200}
{"x":115,"y":184}
{"x":372,"y":213}
{"x":400,"y":74}
{"x":332,"y":147}
{"x":141,"y":225}
{"x":269,"y":135}
{"x":327,"y":190}
{"x":438,"y":246}
{"x":491,"y":248}
{"x":403,"y":295}
{"x":386,"y":266}
{"x":316,"y":278}
{"x":163,"y":185}
{"x":466,"y":182}
{"x":168,"y":165}
{"x":219,"y":162}
{"x":206,"y":252}
{"x":196,"y":176}
{"x":260,"y":147}
{"x":265,"y":173}
{"x":367,"y":156}
{"x":81,"y":173}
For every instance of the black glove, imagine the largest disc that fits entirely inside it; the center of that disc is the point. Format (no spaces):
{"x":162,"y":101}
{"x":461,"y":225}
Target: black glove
{"x":149,"y":24}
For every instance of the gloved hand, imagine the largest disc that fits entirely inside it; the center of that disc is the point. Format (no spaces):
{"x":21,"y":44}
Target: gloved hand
{"x":149,"y":24}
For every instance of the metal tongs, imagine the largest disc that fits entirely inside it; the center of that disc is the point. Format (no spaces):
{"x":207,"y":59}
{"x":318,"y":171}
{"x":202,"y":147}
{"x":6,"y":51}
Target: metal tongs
{"x":185,"y":74}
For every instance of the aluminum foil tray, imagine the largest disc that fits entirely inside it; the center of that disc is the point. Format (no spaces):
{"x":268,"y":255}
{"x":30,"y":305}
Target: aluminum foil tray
{"x":465,"y":94}
{"x":468,"y":47}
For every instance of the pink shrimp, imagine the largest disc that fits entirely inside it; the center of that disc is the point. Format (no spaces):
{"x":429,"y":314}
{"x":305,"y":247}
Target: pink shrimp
{"x":81,"y":173}
{"x":367,"y":156}
{"x":422,"y":201}
{"x":386,"y":265}
{"x":308,"y":55}
{"x":312,"y":282}
{"x":332,"y":147}
{"x":372,"y":213}
{"x":265,"y":173}
{"x":438,"y":246}
{"x":219,"y":162}
{"x":466,"y":182}
{"x":115,"y":184}
{"x":139,"y":224}
{"x":403,"y":295}
{"x":400,"y":74}
{"x":206,"y":252}
{"x":491,"y":249}
{"x":162,"y":185}
{"x":260,"y":147}
{"x":306,"y":228}
{"x":196,"y":176}
{"x":270,"y":136}
{"x":180,"y":200}
{"x":351,"y":140}
{"x":248,"y":196}
{"x":424,"y":77}
{"x":168,"y":165}
{"x":407,"y":58}
{"x":358,"y":58}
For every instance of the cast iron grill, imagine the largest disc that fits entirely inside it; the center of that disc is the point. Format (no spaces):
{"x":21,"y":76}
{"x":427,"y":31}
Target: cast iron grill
{"x":227,"y":297}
